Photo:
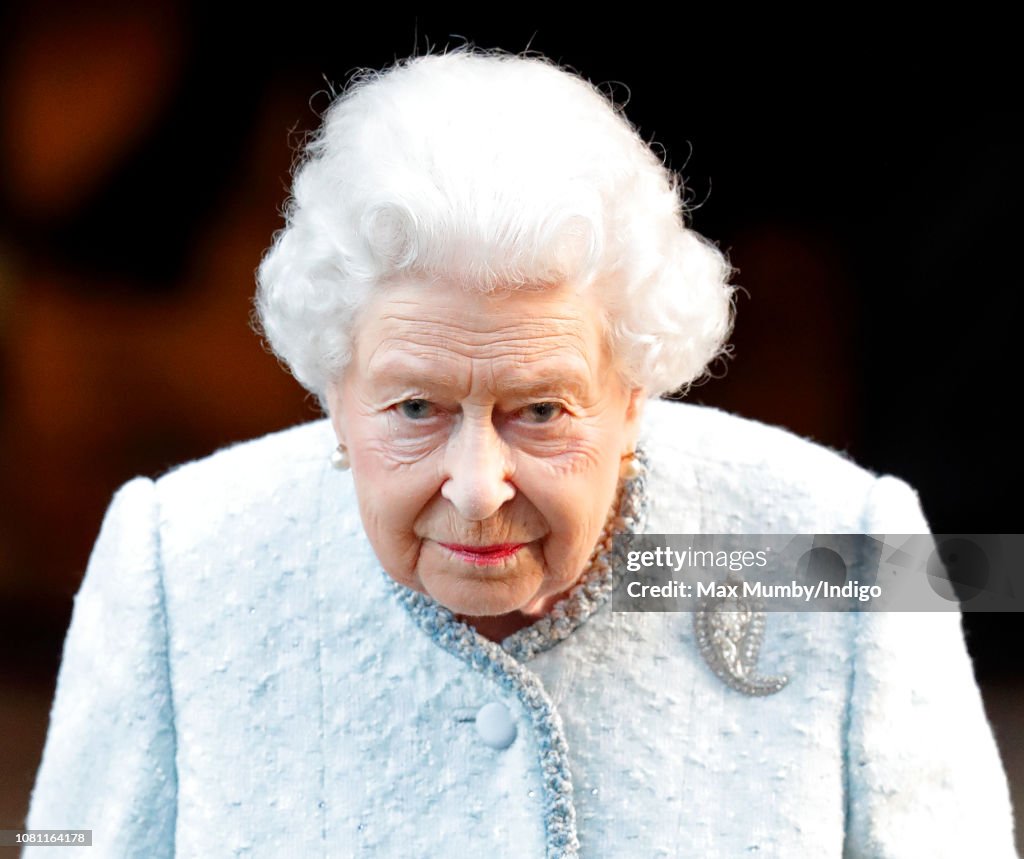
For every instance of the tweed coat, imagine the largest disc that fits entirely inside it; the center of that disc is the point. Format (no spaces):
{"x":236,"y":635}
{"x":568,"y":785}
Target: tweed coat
{"x":240,"y":678}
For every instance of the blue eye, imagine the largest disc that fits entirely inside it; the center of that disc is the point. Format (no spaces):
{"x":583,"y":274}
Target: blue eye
{"x":542,"y":413}
{"x":416,"y":410}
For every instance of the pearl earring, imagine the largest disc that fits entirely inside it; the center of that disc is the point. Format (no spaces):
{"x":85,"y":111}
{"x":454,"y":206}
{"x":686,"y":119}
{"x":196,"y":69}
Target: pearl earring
{"x":629,"y":467}
{"x":339,"y":458}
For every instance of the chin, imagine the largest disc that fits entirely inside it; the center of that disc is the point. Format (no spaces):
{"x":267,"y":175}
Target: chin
{"x":481,"y":597}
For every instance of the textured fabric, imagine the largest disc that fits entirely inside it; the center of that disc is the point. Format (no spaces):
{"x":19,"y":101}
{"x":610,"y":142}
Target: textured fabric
{"x":240,"y":678}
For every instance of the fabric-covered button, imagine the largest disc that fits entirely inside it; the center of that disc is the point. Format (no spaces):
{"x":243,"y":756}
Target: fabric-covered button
{"x":495,"y":725}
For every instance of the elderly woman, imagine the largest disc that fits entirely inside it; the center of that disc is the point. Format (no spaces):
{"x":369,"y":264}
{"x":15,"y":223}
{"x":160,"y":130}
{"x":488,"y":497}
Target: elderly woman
{"x":389,"y":632}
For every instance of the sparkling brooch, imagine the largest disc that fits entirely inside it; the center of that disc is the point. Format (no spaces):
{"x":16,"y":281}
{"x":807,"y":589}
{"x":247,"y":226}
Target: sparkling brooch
{"x":730,"y":630}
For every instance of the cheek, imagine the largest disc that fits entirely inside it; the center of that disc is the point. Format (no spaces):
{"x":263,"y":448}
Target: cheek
{"x":574,"y":504}
{"x":392,"y":496}
{"x":388,"y":516}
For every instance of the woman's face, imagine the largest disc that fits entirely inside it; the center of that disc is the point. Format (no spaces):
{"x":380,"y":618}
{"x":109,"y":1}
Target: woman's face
{"x":485,"y":435}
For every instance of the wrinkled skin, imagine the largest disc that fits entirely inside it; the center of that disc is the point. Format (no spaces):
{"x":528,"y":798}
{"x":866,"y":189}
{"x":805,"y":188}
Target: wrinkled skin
{"x":476,"y":421}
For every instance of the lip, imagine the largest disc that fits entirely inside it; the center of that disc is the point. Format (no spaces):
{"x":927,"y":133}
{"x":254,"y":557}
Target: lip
{"x":485,"y":556}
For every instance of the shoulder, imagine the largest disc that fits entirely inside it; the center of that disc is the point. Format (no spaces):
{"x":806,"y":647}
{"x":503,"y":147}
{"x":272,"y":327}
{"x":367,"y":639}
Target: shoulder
{"x":716,"y":436}
{"x":256,"y":462}
{"x":720,"y":471}
{"x":245,"y":482}
{"x":276,"y":451}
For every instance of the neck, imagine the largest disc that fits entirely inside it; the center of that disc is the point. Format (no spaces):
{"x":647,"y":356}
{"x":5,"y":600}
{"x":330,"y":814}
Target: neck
{"x":501,"y":626}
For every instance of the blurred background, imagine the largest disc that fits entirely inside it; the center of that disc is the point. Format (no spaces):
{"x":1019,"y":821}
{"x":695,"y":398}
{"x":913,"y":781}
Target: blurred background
{"x":861,"y":178}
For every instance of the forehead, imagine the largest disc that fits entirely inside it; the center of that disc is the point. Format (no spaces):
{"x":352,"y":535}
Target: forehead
{"x":438,"y":323}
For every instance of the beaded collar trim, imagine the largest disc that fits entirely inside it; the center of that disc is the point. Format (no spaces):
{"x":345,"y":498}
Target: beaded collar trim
{"x":488,"y":658}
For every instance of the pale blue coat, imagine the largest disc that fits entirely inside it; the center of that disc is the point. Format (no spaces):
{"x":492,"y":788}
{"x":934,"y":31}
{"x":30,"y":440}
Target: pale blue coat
{"x":240,"y":678}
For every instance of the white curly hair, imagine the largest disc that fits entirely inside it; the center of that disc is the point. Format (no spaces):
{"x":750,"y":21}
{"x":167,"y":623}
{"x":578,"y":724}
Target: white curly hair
{"x":493,"y":171}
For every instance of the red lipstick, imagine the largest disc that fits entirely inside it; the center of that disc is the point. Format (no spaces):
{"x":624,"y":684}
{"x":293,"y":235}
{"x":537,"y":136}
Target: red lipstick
{"x":484,"y":555}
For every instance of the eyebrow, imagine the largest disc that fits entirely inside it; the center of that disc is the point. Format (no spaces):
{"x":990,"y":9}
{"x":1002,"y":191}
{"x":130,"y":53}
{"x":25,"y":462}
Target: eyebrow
{"x":403,"y":373}
{"x":544,"y":384}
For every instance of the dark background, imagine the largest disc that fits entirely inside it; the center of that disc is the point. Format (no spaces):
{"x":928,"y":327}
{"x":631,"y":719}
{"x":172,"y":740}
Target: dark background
{"x":863,"y":177}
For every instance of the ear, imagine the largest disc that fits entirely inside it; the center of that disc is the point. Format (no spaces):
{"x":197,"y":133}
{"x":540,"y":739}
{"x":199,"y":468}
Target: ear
{"x":634,"y":417}
{"x":334,"y":395}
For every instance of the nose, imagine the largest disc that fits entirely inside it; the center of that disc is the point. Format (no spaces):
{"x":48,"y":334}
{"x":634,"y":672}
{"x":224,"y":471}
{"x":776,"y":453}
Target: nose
{"x":477,"y":468}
